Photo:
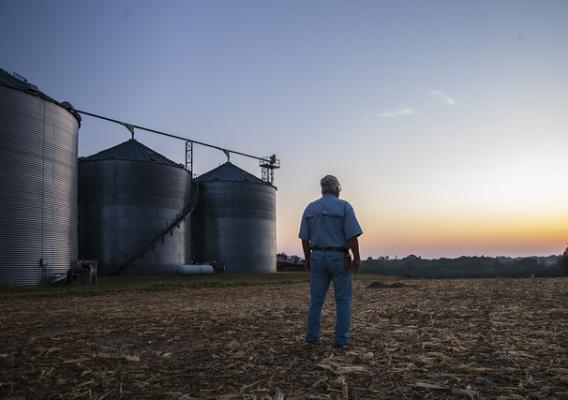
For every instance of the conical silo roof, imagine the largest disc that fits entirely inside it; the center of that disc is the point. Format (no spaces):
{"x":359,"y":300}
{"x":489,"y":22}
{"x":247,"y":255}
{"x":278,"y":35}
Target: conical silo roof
{"x":229,"y":173}
{"x":18,"y":82}
{"x":131,"y":150}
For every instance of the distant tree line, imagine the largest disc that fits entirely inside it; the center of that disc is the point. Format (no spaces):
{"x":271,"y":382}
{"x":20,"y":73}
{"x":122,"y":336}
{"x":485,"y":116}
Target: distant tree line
{"x":468,"y":267}
{"x":564,"y":262}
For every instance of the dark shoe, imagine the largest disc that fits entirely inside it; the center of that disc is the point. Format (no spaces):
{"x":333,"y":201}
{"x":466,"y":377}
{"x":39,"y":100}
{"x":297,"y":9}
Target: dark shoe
{"x":312,"y":341}
{"x":341,"y":346}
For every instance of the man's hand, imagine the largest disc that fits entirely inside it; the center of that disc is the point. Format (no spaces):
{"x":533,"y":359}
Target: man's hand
{"x":356,"y":265}
{"x":354,"y":246}
{"x":307,"y":264}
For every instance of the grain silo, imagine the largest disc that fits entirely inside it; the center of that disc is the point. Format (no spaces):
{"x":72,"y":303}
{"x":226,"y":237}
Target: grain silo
{"x":134,"y":210}
{"x":235,"y":220}
{"x":38,"y":184}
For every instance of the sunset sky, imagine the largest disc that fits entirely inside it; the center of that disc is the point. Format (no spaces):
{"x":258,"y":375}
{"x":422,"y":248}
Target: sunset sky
{"x":445,"y":121}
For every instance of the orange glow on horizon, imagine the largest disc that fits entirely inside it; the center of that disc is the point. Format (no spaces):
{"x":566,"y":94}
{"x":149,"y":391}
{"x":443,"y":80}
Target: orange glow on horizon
{"x":452,"y":236}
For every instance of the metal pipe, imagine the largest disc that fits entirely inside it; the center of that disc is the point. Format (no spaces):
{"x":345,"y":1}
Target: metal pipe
{"x":131,"y":127}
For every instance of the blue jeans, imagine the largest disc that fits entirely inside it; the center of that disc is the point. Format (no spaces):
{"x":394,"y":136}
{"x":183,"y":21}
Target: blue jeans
{"x":326,"y":267}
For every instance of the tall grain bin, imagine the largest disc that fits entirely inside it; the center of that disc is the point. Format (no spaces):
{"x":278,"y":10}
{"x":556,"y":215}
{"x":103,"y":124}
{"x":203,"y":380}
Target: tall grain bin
{"x":38,"y":184}
{"x":129,"y":200}
{"x":235,"y":220}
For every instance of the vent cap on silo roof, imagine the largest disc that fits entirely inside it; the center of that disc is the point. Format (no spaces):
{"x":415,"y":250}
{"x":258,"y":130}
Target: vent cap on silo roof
{"x":18,"y":82}
{"x":131,"y":150}
{"x":229,"y":173}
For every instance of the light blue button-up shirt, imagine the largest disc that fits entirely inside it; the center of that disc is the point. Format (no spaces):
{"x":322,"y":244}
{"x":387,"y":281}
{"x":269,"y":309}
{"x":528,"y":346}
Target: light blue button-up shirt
{"x":329,"y":222}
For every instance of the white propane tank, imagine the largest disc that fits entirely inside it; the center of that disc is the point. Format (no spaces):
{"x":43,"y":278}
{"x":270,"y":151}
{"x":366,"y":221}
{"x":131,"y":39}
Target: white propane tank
{"x":194,"y":269}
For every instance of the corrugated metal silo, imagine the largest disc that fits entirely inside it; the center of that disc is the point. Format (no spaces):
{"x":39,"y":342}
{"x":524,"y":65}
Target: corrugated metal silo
{"x":38,"y":184}
{"x":129,"y":195}
{"x":235,"y":220}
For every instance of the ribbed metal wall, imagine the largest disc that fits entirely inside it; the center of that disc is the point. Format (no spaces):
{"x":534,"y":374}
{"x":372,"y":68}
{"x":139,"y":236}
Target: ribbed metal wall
{"x":235,"y":224}
{"x":123,"y":205}
{"x":38,"y":188}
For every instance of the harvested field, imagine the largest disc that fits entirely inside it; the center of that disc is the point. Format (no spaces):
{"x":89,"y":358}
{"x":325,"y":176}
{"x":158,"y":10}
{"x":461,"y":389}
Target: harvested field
{"x":462,"y":339}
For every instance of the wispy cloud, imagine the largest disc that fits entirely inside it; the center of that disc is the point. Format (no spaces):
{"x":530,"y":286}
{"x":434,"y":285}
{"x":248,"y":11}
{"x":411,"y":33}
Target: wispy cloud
{"x":444,"y":98}
{"x":401,"y":112}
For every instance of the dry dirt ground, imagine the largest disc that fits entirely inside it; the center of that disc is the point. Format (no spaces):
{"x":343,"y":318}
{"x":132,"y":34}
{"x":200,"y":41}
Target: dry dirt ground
{"x":462,"y":339}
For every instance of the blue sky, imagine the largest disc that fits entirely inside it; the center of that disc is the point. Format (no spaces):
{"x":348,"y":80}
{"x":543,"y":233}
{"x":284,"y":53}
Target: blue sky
{"x":445,"y":121}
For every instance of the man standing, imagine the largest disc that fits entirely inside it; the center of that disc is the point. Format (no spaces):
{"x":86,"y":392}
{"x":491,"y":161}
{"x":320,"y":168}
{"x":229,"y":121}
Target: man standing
{"x":328,"y":231}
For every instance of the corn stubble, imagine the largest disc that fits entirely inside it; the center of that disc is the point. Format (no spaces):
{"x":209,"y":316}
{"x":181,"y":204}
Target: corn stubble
{"x":470,"y":339}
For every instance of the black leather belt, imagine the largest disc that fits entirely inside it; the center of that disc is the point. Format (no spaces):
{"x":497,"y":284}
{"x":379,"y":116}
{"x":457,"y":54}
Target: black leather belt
{"x":336,"y":249}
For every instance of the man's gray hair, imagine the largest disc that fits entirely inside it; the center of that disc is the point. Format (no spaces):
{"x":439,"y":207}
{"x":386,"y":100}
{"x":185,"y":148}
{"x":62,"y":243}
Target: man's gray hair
{"x":329,"y":184}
